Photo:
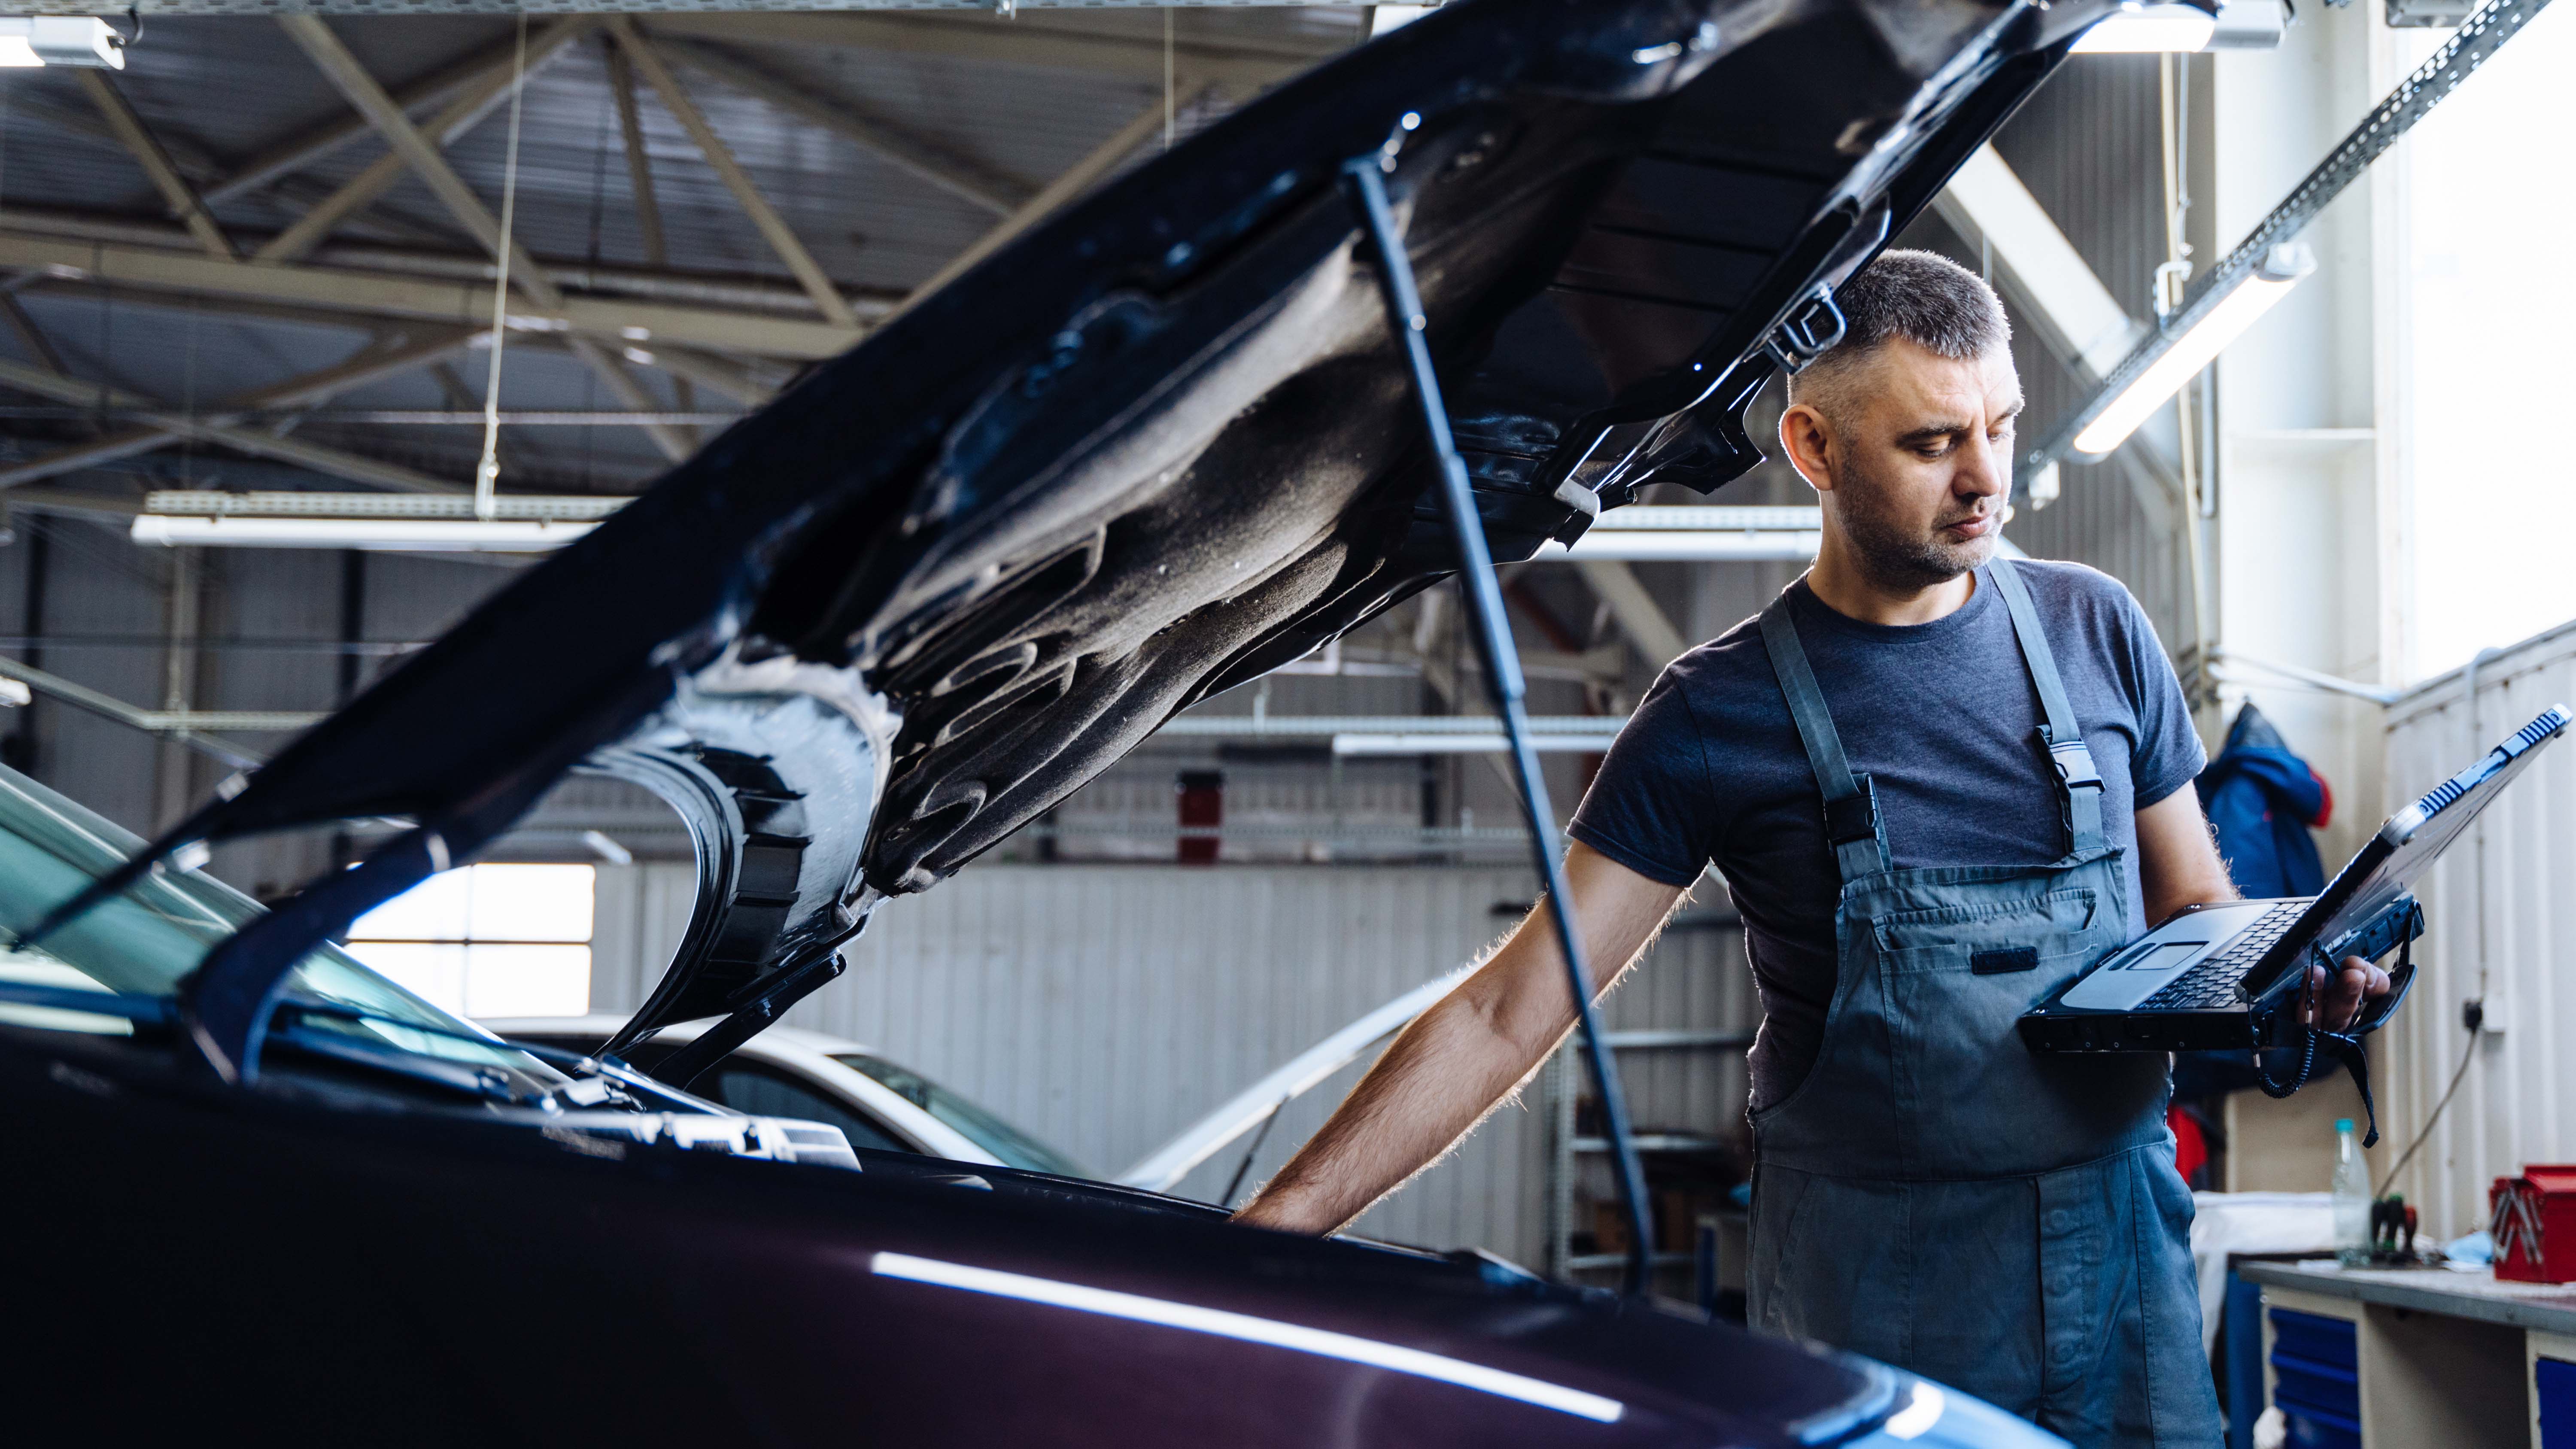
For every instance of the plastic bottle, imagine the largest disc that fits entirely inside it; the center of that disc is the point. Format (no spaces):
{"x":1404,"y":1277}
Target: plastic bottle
{"x":2351,"y":1194}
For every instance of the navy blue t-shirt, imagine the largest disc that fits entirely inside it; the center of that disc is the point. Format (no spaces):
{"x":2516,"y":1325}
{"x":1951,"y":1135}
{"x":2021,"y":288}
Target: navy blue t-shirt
{"x":1942,"y":716}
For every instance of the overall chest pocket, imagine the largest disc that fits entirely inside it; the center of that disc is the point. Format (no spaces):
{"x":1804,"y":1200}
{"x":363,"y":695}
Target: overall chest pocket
{"x":1999,"y":937}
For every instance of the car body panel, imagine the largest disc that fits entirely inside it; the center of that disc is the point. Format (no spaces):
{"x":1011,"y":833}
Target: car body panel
{"x":419,"y":1276}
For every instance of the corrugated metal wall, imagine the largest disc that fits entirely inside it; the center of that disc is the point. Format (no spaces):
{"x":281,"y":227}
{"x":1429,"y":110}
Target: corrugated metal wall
{"x":1106,"y":1007}
{"x":2514,"y":943}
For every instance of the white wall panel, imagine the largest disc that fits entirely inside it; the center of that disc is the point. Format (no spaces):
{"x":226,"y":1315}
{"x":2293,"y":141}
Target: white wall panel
{"x":1105,"y":1007}
{"x":2514,"y":943}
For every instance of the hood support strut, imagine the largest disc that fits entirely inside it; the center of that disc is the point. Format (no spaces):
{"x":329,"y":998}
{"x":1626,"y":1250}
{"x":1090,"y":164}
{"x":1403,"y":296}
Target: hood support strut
{"x":1366,"y":185}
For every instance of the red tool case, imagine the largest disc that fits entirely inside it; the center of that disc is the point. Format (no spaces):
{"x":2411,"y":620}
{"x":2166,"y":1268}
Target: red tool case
{"x":2533,"y":1221}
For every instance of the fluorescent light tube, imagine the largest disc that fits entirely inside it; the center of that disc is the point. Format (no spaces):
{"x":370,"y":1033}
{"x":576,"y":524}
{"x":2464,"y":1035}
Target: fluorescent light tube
{"x":408,"y":535}
{"x":2263,"y":288}
{"x":1673,"y":544}
{"x":1449,"y":744}
{"x":34,"y":40}
{"x":2135,"y":28}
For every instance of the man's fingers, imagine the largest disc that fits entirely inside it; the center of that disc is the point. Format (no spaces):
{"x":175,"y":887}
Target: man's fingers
{"x":2337,"y":1003}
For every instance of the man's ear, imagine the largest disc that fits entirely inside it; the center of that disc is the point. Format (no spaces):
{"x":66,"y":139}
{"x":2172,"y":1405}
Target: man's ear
{"x":1808,"y":440}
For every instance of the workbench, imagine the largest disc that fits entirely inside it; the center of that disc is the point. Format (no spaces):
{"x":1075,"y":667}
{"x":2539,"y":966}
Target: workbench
{"x":2431,"y":1356}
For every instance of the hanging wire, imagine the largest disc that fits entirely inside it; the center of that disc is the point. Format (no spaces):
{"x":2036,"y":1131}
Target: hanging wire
{"x":188,"y":400}
{"x":487,"y":473}
{"x":1170,"y":106}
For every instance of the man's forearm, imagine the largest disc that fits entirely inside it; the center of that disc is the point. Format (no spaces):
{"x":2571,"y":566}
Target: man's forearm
{"x":1436,"y":1081}
{"x":1465,"y":1055}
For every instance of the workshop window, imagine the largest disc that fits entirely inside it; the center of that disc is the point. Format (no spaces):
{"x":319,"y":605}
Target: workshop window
{"x":488,"y":940}
{"x":2480,"y":355}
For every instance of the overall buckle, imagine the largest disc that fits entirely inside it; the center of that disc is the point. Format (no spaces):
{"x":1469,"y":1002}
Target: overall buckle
{"x":2074,"y":762}
{"x":1853,"y":817}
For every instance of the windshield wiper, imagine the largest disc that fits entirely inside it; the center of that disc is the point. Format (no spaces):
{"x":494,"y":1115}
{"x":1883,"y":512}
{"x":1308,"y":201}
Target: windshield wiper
{"x":489,"y":1083}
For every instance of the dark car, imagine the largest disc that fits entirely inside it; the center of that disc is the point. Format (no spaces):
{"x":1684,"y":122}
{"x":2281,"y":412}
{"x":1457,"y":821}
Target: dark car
{"x":1156,"y":447}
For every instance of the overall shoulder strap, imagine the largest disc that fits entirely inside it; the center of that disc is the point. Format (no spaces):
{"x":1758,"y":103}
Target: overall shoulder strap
{"x":1851,"y":803}
{"x":2079,"y":784}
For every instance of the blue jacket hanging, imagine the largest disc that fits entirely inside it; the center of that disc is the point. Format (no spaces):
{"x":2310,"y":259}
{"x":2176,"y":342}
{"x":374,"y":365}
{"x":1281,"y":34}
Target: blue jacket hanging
{"x":2264,"y":800}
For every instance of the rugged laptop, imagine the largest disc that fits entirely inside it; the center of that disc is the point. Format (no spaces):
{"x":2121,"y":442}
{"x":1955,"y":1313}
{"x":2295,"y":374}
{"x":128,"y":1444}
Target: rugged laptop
{"x":2217,"y":977}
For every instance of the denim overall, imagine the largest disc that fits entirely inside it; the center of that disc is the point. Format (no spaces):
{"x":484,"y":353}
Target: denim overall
{"x":1934,"y":1195}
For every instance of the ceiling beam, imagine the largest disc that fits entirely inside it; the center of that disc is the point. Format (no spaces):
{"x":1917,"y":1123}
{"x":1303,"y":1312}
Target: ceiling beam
{"x":370,"y":364}
{"x":30,"y":336}
{"x":727,"y":292}
{"x":2082,"y":322}
{"x":374,"y":293}
{"x":714,"y":374}
{"x":772,"y":226}
{"x":344,"y":71}
{"x":474,"y":101}
{"x":639,"y":162}
{"x":1053,"y":42}
{"x":916,"y":153}
{"x":1638,"y":615}
{"x":639,"y":182}
{"x":305,"y":148}
{"x":148,"y":152}
{"x":1077,"y":179}
{"x":320,"y":459}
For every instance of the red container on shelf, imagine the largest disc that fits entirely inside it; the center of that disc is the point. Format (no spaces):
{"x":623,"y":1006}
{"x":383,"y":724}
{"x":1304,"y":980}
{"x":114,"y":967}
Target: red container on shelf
{"x":2533,"y":1221}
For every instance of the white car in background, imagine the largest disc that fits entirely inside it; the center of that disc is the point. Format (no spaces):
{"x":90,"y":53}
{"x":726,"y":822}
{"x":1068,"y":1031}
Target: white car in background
{"x":784,"y":1072}
{"x":807,"y":1075}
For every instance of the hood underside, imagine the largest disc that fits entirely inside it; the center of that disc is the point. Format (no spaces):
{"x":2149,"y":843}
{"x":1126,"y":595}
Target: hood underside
{"x":1157,"y":447}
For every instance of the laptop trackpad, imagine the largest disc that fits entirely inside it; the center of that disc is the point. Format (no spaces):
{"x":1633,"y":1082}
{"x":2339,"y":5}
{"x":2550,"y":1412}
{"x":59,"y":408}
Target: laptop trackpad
{"x":2144,"y":967}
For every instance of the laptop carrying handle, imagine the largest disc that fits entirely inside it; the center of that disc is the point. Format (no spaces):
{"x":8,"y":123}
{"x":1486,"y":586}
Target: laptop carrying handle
{"x":2393,"y":928}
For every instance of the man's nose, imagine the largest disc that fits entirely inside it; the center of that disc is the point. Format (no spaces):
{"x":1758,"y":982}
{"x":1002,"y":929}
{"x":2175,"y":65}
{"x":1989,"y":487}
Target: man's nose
{"x":1984,"y":469}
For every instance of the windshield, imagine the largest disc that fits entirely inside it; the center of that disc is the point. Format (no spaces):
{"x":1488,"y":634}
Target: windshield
{"x":142,"y":942}
{"x":1008,"y":1144}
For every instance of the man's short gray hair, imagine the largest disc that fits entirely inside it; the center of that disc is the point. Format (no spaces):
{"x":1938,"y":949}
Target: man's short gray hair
{"x":1923,"y":297}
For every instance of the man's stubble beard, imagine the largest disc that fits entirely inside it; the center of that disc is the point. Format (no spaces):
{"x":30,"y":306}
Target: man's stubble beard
{"x":1896,"y":557}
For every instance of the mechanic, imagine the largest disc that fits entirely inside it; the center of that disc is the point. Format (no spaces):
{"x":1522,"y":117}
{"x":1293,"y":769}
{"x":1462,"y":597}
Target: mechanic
{"x":1927,"y":1191}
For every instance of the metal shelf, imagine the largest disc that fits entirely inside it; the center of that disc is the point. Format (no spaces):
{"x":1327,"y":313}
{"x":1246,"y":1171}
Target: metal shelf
{"x":1654,"y":1142}
{"x":1579,"y":1262}
{"x":1650,"y":1038}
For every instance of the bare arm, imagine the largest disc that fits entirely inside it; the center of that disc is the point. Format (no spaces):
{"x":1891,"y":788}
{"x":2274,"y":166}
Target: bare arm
{"x":2178,"y":865}
{"x":1460,"y":1059}
{"x":2178,"y":862}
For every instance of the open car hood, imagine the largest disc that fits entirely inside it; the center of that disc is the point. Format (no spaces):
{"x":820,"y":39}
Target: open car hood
{"x":1154,"y":448}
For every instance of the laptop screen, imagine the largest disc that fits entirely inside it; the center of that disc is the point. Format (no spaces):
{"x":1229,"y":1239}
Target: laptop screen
{"x":2390,"y":864}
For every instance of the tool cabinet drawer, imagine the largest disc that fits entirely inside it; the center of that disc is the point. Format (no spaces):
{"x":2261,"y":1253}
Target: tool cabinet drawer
{"x":2553,"y":1383}
{"x":2317,"y":1379}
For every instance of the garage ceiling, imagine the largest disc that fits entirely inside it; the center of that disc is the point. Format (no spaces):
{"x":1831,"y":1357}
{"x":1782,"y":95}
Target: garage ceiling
{"x":219,"y":273}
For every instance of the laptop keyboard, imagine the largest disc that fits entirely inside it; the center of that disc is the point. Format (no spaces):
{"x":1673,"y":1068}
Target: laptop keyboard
{"x":2212,"y":980}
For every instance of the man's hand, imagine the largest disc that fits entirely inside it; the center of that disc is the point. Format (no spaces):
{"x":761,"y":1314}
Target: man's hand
{"x":2178,"y":865}
{"x":1460,"y":1059}
{"x":2337,"y":1006}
